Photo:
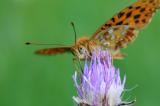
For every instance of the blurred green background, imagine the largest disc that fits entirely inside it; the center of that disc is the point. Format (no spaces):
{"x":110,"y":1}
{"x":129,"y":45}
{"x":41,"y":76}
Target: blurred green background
{"x":30,"y":80}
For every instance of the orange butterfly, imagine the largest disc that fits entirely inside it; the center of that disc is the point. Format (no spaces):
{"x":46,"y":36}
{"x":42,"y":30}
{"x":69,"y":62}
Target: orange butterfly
{"x":115,"y":34}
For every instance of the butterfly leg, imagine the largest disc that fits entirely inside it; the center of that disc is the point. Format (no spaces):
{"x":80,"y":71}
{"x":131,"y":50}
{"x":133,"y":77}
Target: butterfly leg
{"x":77,"y":64}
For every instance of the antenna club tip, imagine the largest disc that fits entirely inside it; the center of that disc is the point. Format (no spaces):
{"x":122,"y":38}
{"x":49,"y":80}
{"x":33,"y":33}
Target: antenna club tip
{"x":27,"y":43}
{"x":72,"y":23}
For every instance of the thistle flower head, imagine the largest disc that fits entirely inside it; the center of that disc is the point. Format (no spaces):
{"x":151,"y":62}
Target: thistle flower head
{"x":100,"y":83}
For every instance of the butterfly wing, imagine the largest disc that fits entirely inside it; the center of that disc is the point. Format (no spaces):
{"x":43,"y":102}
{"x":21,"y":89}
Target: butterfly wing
{"x":123,"y":27}
{"x":53,"y":51}
{"x":117,"y":36}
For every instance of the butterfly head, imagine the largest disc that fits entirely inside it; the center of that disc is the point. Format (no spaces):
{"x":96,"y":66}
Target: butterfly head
{"x":82,"y":48}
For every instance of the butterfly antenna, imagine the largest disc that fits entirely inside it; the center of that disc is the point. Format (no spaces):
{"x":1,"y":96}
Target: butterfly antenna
{"x":74,"y":29}
{"x":33,"y":43}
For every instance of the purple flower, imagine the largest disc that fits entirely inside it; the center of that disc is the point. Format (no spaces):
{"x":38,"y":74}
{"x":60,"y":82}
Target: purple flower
{"x":100,"y":83}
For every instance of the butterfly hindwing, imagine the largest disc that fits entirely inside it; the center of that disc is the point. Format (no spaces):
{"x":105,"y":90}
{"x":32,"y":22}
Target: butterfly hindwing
{"x":117,"y":36}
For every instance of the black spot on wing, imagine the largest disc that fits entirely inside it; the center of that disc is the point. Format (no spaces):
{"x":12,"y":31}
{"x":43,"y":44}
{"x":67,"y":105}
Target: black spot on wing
{"x":130,"y":7}
{"x":144,"y":20}
{"x":137,"y":21}
{"x":137,"y":16}
{"x":126,"y":24}
{"x":142,"y":10}
{"x":146,"y":15}
{"x":128,"y":14}
{"x":138,"y":7}
{"x":113,"y":19}
{"x":102,"y":28}
{"x":151,"y":1}
{"x":120,"y":14}
{"x":119,"y":23}
{"x":107,"y":25}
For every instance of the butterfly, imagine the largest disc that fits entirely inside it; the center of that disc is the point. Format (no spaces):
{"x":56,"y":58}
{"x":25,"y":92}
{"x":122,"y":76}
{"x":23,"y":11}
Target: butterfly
{"x":114,"y":34}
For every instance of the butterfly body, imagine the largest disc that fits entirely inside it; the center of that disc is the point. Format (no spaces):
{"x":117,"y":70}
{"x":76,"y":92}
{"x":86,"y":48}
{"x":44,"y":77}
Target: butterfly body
{"x":115,"y":34}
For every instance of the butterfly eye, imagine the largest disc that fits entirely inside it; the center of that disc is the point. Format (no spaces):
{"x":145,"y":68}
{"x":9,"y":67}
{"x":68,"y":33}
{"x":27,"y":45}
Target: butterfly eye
{"x":81,"y":50}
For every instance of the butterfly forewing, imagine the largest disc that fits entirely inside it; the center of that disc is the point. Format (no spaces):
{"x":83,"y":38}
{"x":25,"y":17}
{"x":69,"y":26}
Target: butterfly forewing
{"x":51,"y":51}
{"x":136,"y":16}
